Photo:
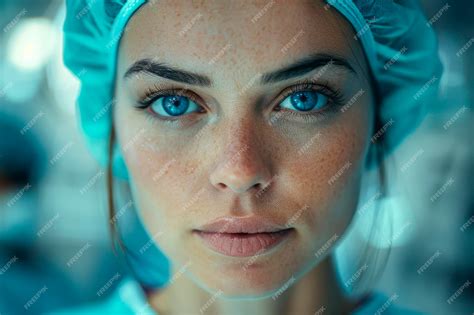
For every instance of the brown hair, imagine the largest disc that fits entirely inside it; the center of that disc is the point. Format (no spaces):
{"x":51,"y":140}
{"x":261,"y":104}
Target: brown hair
{"x":115,"y":236}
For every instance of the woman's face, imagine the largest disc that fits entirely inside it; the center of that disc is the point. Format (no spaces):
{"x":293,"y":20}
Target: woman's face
{"x":261,"y":124}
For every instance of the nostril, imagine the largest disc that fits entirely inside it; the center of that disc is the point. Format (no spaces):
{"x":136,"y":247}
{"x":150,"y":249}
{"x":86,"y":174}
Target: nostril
{"x":256,"y":187}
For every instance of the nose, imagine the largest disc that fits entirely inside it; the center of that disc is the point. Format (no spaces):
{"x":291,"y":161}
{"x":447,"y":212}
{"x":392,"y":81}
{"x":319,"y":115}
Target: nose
{"x":242,"y":166}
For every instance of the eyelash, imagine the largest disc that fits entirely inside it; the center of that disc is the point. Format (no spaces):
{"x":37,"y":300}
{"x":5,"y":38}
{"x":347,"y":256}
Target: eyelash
{"x":335,"y":99}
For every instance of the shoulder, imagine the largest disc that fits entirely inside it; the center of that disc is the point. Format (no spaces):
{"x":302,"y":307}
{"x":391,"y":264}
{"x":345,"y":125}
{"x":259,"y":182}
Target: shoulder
{"x":127,"y":298}
{"x":379,"y":303}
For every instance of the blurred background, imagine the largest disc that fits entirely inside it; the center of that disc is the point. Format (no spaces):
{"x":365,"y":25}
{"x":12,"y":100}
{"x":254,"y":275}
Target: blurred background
{"x":54,"y":238}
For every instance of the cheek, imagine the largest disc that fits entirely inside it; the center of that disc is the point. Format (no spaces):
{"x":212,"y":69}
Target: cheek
{"x":163,"y":182}
{"x":325,"y":174}
{"x":161,"y":179}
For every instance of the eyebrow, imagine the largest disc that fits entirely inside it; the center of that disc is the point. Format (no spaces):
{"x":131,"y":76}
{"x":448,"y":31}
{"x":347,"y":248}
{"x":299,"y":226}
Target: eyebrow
{"x":165,"y":71}
{"x":304,"y":66}
{"x":296,"y":69}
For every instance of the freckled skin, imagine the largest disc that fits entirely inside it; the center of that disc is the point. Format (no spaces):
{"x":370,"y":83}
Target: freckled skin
{"x":238,"y":147}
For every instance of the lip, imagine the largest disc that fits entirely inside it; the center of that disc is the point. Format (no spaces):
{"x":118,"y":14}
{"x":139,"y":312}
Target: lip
{"x":242,"y":237}
{"x":253,"y":224}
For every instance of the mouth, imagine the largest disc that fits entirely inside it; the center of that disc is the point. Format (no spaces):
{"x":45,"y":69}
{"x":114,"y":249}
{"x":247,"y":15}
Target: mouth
{"x":242,"y":237}
{"x":243,"y":244}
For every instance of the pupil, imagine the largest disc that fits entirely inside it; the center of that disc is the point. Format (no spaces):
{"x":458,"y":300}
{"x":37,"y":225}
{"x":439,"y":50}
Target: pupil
{"x":304,"y":101}
{"x":176,"y":105}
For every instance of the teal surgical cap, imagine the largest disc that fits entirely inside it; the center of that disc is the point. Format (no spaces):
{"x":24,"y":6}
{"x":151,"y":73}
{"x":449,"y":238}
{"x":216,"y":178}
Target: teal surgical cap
{"x":399,"y":44}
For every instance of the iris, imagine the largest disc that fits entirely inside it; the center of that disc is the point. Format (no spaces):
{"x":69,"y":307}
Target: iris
{"x":177,"y":105}
{"x":305,"y":101}
{"x":173,"y":105}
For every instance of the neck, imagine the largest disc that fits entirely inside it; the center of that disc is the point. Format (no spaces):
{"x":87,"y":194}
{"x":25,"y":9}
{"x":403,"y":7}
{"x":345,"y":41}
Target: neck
{"x":317,"y":292}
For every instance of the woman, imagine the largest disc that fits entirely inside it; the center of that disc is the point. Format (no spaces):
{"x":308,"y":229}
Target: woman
{"x":240,"y":133}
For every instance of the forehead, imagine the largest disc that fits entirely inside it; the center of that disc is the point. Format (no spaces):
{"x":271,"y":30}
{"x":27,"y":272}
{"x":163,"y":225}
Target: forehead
{"x":212,"y":37}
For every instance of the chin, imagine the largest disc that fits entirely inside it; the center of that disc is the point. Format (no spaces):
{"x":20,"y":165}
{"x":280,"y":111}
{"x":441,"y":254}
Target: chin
{"x":237,"y":290}
{"x":258,"y":281}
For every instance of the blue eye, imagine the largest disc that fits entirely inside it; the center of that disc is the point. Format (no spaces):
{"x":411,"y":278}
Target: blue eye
{"x":173,"y":105}
{"x":305,"y":101}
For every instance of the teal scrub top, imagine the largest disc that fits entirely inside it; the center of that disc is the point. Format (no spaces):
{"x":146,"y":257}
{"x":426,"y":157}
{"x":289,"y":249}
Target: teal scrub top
{"x":129,"y":298}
